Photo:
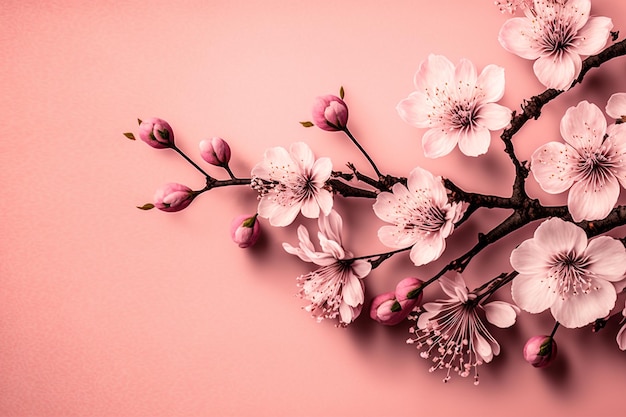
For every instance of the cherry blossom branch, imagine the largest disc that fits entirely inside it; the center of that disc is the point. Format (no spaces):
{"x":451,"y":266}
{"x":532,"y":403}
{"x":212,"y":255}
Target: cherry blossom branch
{"x":531,"y":109}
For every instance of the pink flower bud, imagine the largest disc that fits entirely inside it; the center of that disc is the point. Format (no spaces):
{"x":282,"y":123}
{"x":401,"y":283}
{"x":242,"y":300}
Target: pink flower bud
{"x":215,"y":151}
{"x":330,"y":113}
{"x":156,"y":133}
{"x":540,"y":351}
{"x":245,"y":230}
{"x":409,"y":289}
{"x":387,"y":310}
{"x":173,"y":197}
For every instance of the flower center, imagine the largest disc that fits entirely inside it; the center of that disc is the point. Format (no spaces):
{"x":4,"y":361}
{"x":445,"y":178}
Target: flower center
{"x":428,"y":219}
{"x":462,"y":115}
{"x":598,"y":166}
{"x":571,"y":275}
{"x":558,"y":35}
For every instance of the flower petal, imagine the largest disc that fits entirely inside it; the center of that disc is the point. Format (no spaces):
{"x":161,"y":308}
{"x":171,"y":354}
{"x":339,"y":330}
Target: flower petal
{"x":501,"y":314}
{"x":427,"y":249}
{"x":530,"y":259}
{"x":583,"y":126}
{"x":607,"y":258}
{"x":394,"y":237}
{"x":474,"y":142}
{"x":438,"y":142}
{"x":455,"y":289}
{"x":558,"y":236}
{"x":558,"y":71}
{"x":465,"y":77}
{"x":592,"y":37}
{"x":616,"y":106}
{"x":587,"y":201}
{"x":554,"y":167}
{"x":532,"y":293}
{"x":310,"y":208}
{"x":331,"y":226}
{"x":482,"y":347}
{"x":491,"y":83}
{"x":302,"y":155}
{"x":352,"y":291}
{"x":361,"y":268}
{"x":423,"y":182}
{"x":584,"y":308}
{"x":493,"y":116}
{"x":324,"y":199}
{"x":516,"y":37}
{"x":621,"y":338}
{"x":436,"y":70}
{"x":414,"y":110}
{"x":320,"y":171}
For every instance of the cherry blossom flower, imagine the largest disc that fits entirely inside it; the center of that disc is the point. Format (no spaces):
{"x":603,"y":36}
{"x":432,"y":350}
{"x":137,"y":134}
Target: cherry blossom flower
{"x":292,"y":181}
{"x":456,"y":106}
{"x":336,"y":288}
{"x":555,"y":34}
{"x":616,"y":107}
{"x":560,"y":270}
{"x":451,"y":332}
{"x":590,"y":163}
{"x":420,"y":214}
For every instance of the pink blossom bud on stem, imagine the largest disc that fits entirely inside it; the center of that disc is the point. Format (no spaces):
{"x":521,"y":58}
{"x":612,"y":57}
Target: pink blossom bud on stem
{"x":330,"y":113}
{"x":409,"y":289}
{"x":540,"y":351}
{"x":173,"y":197}
{"x":388,"y":310}
{"x":215,"y":151}
{"x":245,"y":230}
{"x":156,"y":133}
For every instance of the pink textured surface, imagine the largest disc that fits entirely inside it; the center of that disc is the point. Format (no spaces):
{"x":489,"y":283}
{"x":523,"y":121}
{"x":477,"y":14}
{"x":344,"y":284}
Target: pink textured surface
{"x":106,"y":310}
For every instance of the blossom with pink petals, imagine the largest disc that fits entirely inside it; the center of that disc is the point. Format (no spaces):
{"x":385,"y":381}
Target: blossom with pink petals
{"x":451,"y":332}
{"x":555,"y":34}
{"x":335,"y":289}
{"x":591,"y":162}
{"x":290,"y":182}
{"x":616,"y":107}
{"x":456,"y":105}
{"x":420,"y":214}
{"x":561,"y":270}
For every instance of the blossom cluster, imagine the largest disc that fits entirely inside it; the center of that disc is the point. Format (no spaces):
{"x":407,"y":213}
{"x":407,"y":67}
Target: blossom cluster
{"x":570,"y":266}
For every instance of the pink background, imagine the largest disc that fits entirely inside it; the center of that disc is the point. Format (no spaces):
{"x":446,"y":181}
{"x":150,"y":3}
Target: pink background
{"x":110,"y":311}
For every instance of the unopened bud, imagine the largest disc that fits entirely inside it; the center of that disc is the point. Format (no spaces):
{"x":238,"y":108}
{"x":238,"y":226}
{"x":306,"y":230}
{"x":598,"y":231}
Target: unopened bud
{"x":215,"y":151}
{"x":409,"y":289}
{"x":540,"y":351}
{"x":330,"y":113}
{"x":156,"y":133}
{"x":245,"y":230}
{"x":173,"y":197}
